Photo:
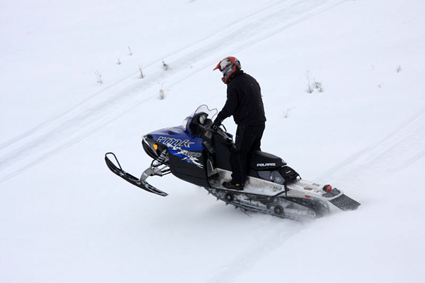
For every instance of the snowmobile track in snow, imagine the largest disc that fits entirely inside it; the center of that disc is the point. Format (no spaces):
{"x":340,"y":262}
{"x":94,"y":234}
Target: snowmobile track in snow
{"x":402,"y":147}
{"x":119,"y":98}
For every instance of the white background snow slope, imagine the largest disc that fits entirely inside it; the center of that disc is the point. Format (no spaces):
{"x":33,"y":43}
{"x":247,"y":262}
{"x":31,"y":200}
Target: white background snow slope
{"x":64,"y":217}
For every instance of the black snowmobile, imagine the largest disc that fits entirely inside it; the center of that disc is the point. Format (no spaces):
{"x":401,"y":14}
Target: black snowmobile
{"x":196,"y":153}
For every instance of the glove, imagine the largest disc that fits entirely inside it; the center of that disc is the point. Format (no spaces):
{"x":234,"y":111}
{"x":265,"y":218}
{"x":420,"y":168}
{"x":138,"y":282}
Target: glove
{"x":215,"y":125}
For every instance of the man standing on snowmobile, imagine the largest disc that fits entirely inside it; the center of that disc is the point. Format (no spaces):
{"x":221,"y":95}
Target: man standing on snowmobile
{"x":244,"y":102}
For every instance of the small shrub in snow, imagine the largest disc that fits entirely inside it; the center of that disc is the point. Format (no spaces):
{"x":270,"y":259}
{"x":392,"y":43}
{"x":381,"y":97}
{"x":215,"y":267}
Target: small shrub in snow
{"x":162,"y":92}
{"x":310,"y":88}
{"x":286,"y":114}
{"x":398,"y":69}
{"x":131,"y":53}
{"x":99,"y":77}
{"x":119,"y":62}
{"x":141,"y":72}
{"x":312,"y":84}
{"x":318,"y":86}
{"x":165,"y":66}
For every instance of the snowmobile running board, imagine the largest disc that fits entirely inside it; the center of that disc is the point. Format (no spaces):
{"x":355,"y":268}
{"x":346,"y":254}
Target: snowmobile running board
{"x":130,"y":178}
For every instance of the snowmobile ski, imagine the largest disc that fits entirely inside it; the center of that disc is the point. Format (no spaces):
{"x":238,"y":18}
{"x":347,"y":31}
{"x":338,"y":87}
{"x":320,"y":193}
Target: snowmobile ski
{"x":130,"y":178}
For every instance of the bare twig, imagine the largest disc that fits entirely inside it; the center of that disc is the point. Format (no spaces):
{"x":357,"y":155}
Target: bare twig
{"x":141,"y":72}
{"x":165,"y":66}
{"x":99,"y":77}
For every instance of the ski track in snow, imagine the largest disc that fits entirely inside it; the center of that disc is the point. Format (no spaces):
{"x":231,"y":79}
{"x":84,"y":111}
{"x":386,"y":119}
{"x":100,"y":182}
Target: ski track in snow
{"x":277,"y":235}
{"x":119,"y":98}
{"x":402,"y":147}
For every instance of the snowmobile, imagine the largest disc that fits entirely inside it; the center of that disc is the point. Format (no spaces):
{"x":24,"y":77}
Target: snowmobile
{"x":200,"y":155}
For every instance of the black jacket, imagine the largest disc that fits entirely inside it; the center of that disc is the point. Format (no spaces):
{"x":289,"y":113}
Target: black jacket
{"x":244,"y":101}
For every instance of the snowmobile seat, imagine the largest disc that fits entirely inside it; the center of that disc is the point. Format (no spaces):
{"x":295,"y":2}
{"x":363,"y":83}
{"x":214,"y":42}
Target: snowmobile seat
{"x":260,"y":160}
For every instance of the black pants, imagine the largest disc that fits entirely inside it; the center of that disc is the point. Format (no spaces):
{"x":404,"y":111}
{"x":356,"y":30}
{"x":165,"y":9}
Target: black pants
{"x":248,"y":139}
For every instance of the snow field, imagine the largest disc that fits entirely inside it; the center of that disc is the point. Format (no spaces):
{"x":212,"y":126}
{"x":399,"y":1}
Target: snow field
{"x":66,"y":218}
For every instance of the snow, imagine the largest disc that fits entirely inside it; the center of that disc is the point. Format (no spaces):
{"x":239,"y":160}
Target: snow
{"x":67,"y":218}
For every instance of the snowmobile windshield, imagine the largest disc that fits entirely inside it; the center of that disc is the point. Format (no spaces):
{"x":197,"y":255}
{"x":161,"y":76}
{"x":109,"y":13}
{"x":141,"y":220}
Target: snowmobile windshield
{"x":204,"y":109}
{"x":201,"y":114}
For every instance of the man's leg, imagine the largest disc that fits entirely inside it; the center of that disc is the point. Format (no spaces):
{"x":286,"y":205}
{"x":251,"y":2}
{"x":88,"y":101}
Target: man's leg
{"x":258,"y":131}
{"x":248,"y":138}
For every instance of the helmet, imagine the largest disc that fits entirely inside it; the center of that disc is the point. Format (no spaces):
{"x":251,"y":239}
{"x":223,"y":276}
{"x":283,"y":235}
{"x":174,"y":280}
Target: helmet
{"x":228,"y":66}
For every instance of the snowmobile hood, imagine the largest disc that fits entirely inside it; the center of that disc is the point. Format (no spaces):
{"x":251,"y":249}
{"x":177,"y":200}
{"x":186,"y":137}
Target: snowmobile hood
{"x":175,"y":137}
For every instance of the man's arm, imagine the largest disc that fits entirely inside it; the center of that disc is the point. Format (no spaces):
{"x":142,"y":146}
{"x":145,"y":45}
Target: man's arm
{"x":229,"y":108}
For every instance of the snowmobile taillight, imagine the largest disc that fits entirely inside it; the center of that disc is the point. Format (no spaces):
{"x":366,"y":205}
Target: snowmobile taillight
{"x":327,"y":188}
{"x":155,"y":146}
